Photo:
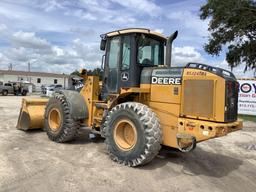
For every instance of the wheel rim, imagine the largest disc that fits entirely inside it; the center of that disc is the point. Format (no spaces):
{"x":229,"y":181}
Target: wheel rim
{"x":125,"y":134}
{"x":54,"y":119}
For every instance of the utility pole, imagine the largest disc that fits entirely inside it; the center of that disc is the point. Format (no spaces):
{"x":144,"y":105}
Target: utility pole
{"x":10,"y":67}
{"x":28,"y":77}
{"x":28,"y":66}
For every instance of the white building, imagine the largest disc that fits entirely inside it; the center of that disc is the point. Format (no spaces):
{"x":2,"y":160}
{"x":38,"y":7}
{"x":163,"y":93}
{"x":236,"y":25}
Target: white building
{"x":36,"y":78}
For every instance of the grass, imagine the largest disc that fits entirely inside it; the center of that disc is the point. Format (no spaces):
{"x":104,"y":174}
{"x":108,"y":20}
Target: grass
{"x":248,"y":117}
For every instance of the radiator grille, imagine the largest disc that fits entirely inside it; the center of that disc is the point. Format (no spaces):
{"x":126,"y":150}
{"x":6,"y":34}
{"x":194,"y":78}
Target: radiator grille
{"x":231,"y":101}
{"x":198,"y":98}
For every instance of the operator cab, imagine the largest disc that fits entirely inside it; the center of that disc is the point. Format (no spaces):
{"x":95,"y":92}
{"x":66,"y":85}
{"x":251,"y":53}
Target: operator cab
{"x":127,"y":52}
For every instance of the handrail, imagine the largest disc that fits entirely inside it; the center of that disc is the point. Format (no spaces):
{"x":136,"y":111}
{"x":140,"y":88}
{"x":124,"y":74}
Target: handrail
{"x":215,"y":70}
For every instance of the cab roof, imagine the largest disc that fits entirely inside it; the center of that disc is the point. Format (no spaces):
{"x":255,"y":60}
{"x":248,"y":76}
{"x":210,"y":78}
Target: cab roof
{"x":135,"y":30}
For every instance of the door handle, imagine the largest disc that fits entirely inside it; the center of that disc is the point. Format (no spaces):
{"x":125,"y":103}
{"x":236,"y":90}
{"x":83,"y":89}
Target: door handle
{"x":102,"y":61}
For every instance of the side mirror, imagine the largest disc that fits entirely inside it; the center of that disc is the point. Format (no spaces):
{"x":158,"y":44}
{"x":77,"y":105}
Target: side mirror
{"x":103,"y":44}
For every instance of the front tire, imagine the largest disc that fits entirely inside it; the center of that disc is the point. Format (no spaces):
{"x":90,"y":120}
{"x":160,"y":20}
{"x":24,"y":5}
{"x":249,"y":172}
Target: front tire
{"x":58,"y":124}
{"x":133,"y":134}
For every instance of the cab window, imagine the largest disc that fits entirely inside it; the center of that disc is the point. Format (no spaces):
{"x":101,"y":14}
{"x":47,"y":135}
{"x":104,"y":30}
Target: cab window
{"x":126,"y":47}
{"x":114,"y":52}
{"x":150,"y":52}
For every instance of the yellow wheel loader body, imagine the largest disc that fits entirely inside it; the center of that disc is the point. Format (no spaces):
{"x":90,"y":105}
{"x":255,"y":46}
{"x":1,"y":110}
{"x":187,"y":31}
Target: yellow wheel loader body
{"x":142,"y":105}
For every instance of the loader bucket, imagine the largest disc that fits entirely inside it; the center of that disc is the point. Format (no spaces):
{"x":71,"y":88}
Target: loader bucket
{"x":32,"y":114}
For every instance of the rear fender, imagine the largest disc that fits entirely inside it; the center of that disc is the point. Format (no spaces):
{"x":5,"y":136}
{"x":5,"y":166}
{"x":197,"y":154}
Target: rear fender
{"x":77,"y":105}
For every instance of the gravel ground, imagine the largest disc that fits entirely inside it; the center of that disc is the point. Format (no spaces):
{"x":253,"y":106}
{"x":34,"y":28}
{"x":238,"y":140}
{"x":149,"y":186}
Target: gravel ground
{"x":30,"y":162}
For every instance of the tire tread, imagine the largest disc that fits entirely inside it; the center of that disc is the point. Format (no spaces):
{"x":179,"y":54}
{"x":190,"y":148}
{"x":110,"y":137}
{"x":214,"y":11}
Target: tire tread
{"x":152,"y":131}
{"x":69,"y":127}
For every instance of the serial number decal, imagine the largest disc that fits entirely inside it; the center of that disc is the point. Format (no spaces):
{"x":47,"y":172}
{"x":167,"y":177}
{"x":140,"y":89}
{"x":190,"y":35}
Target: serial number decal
{"x":168,"y":72}
{"x":166,"y":80}
{"x":196,"y":73}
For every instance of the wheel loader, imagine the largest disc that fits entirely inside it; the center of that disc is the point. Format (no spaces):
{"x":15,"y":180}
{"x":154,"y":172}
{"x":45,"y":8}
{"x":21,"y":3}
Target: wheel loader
{"x":142,"y":102}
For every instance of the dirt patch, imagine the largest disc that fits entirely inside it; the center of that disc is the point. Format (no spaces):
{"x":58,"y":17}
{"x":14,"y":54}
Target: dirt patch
{"x":248,"y":146}
{"x":31,"y":162}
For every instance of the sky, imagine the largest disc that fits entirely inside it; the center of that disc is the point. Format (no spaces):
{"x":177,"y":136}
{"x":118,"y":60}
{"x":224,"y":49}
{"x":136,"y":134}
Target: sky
{"x":62,"y":36}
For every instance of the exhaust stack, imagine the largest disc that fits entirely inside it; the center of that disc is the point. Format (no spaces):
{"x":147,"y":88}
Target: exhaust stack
{"x":169,"y":48}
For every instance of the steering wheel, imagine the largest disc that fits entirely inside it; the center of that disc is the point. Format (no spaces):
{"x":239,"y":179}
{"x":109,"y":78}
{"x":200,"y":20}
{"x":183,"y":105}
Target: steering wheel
{"x":146,"y":61}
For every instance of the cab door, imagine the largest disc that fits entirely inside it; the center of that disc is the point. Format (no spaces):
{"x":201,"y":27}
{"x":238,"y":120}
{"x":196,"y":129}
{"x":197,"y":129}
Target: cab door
{"x":129,"y":69}
{"x":111,"y":69}
{"x":125,"y":68}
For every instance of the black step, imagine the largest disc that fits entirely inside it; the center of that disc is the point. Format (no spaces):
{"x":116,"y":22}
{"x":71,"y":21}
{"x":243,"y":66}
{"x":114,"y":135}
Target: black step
{"x":101,"y":105}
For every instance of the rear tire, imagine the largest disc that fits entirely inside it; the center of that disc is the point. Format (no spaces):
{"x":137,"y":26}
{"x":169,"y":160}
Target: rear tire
{"x":133,"y":134}
{"x":58,"y":124}
{"x":5,"y":93}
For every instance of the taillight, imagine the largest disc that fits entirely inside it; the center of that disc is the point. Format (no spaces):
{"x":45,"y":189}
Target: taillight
{"x":229,"y":88}
{"x":237,"y":86}
{"x":229,"y":85}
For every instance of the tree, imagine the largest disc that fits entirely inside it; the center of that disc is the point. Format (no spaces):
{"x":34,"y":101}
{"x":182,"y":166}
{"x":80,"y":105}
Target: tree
{"x":232,"y":24}
{"x":76,"y":72}
{"x":95,"y":72}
